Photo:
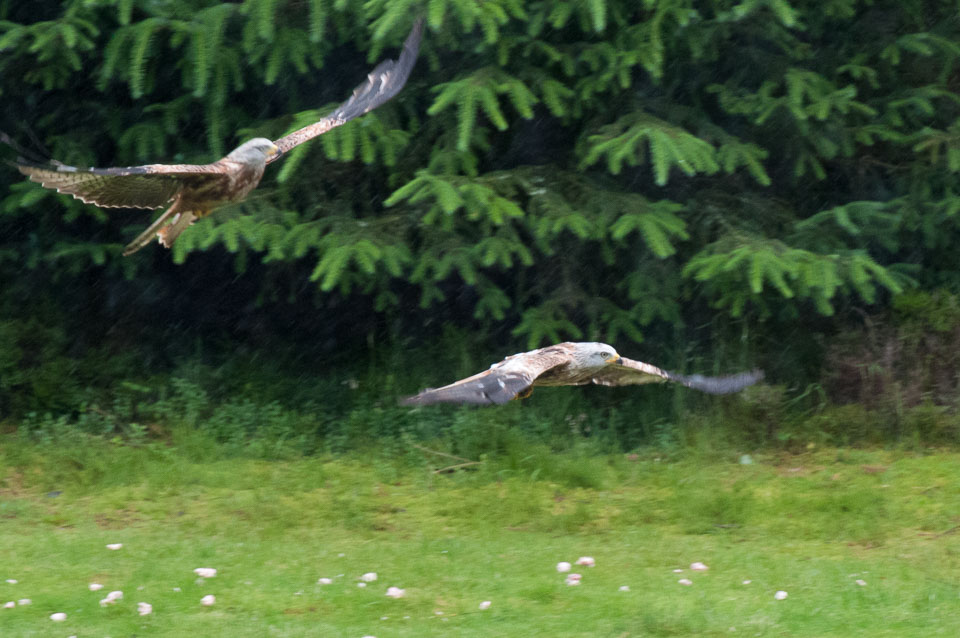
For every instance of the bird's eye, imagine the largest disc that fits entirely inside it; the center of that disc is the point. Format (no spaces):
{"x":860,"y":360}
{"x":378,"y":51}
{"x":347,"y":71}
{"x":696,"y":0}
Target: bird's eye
{"x":605,"y":355}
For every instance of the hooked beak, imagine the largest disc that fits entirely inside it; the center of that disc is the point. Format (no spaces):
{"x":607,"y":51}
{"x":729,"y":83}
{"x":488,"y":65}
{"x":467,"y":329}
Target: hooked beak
{"x":616,"y":359}
{"x":273,"y":152}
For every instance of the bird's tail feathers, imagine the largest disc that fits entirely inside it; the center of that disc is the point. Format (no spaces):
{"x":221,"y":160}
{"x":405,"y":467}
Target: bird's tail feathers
{"x":166,"y":227}
{"x":169,"y":233}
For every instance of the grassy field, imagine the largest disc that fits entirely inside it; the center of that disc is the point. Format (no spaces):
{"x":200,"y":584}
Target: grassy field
{"x":811,"y":525}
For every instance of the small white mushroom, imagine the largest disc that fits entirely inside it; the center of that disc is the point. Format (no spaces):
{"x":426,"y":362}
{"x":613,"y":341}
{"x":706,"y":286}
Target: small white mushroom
{"x":572,"y":579}
{"x":624,"y":588}
{"x":698,"y":567}
{"x":114,"y":546}
{"x":563,"y":566}
{"x":780,"y":595}
{"x":685,"y":581}
{"x":58,"y":617}
{"x":324,"y":581}
{"x":205,"y":572}
{"x":12,"y":581}
{"x":587,"y":561}
{"x":747,"y":582}
{"x":485,"y":604}
{"x":9,"y":605}
{"x":369,"y":577}
{"x":861,"y":582}
{"x":361,"y":585}
{"x":144,"y":609}
{"x":208,"y":600}
{"x":115,"y":595}
{"x":24,"y":601}
{"x":396,"y":592}
{"x":94,"y":586}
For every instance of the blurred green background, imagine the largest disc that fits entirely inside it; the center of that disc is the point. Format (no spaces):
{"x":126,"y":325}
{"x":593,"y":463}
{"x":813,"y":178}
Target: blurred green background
{"x":708,"y":186}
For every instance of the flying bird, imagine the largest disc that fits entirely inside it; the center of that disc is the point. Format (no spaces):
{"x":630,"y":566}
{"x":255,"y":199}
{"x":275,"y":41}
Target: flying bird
{"x":569,"y":364}
{"x":193,"y":191}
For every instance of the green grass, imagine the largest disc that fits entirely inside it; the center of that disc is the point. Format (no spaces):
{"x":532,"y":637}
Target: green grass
{"x":809,"y":524}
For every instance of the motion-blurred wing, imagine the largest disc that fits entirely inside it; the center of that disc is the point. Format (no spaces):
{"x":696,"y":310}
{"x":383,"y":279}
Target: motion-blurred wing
{"x":632,"y":372}
{"x":382,"y":83}
{"x":501,"y":383}
{"x":150,"y":186}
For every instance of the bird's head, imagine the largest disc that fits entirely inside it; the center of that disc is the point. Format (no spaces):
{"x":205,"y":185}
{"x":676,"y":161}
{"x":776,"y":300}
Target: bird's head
{"x":597,"y":355}
{"x":256,"y":150}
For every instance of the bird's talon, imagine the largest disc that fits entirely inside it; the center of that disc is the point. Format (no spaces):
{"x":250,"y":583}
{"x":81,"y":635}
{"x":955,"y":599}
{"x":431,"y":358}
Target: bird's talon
{"x":524,"y":393}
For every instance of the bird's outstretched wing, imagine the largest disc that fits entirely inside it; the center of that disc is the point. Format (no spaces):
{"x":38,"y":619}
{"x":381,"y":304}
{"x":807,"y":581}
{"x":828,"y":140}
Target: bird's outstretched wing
{"x":501,"y":383}
{"x":149,"y":186}
{"x":632,"y":372}
{"x":381,"y":84}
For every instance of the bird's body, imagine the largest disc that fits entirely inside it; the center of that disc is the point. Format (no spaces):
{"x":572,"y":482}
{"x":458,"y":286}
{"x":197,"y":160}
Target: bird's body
{"x":569,"y":363}
{"x":192,"y":191}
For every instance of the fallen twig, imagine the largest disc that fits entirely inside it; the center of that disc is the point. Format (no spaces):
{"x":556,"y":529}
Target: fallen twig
{"x":450,"y":456}
{"x":451,"y":468}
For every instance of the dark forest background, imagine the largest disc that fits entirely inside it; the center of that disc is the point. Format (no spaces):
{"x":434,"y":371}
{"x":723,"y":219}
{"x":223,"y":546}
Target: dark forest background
{"x":708,"y":186}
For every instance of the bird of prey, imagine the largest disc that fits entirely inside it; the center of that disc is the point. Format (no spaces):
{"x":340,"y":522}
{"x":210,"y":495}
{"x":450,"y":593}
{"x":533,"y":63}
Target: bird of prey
{"x":193,"y":191}
{"x":569,"y":364}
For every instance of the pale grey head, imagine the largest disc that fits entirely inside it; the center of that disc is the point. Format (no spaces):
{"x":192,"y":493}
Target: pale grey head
{"x":592,"y":354}
{"x":255,"y":151}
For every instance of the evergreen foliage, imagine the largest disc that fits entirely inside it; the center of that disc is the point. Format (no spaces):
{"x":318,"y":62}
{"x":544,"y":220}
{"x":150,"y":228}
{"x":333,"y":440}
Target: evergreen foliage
{"x":602,"y":169}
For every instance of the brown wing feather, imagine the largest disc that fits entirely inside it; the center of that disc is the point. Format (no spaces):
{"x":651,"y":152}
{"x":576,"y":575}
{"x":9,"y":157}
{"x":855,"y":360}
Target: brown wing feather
{"x":501,"y":383}
{"x":149,"y":186}
{"x":384,"y":82}
{"x":632,"y":372}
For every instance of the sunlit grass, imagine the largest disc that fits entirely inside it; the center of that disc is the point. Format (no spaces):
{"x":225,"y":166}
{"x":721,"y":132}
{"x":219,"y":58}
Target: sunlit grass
{"x":810,"y":524}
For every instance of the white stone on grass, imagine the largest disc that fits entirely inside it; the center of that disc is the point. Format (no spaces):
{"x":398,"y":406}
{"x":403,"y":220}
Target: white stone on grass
{"x":114,"y":546}
{"x":361,"y":585}
{"x":685,"y":581}
{"x":861,"y":582}
{"x":485,"y":604}
{"x":111,"y":598}
{"x":208,"y":600}
{"x":144,"y":609}
{"x":324,"y":581}
{"x":205,"y":572}
{"x":624,"y":588}
{"x":586,"y":561}
{"x":58,"y":617}
{"x":563,"y":567}
{"x":12,"y":581}
{"x":94,"y":586}
{"x":780,"y":595}
{"x":698,"y":567}
{"x":396,"y":592}
{"x":369,"y":577}
{"x":747,"y":582}
{"x":9,"y":605}
{"x":678,"y":571}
